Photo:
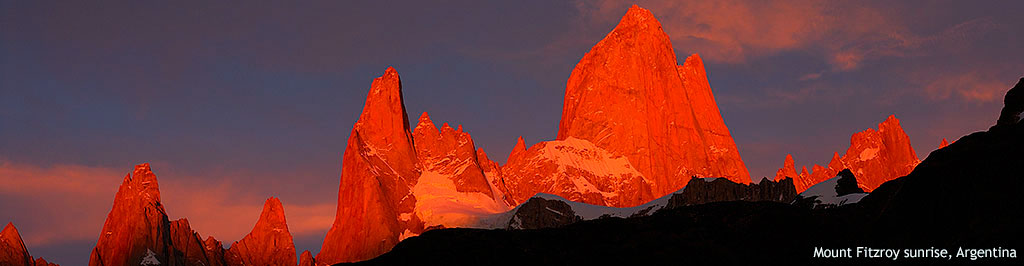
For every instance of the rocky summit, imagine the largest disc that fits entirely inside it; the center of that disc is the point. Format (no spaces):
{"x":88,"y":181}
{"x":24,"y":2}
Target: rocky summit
{"x":137,"y":229}
{"x":12,"y":248}
{"x":269,"y":243}
{"x":635,"y":125}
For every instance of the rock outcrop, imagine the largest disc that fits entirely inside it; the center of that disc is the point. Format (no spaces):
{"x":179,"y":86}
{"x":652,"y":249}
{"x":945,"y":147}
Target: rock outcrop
{"x":396,"y":184}
{"x":539,"y":212}
{"x":12,"y":248}
{"x":188,"y":245}
{"x":875,"y":156}
{"x":42,"y":262}
{"x":269,"y":242}
{"x":1013,"y":106}
{"x":628,"y":98}
{"x":306,"y":259}
{"x":495,"y":175}
{"x":136,"y":229}
{"x":214,"y":251}
{"x":843,"y":189}
{"x":707,"y":190}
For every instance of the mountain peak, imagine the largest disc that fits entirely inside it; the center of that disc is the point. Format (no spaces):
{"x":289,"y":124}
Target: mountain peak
{"x":12,"y":248}
{"x":890,"y":124}
{"x":269,"y":242}
{"x":788,"y":169}
{"x":9,"y":231}
{"x":519,"y":148}
{"x":1013,"y":106}
{"x":629,"y":93}
{"x":137,"y":227}
{"x":637,"y":15}
{"x":273,"y":214}
{"x":143,"y":182}
{"x":385,"y":107}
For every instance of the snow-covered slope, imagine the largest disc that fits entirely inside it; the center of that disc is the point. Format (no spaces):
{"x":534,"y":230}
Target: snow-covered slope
{"x":577,"y":170}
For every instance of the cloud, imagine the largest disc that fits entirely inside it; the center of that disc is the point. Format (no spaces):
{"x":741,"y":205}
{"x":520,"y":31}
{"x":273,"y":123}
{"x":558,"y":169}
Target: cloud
{"x":973,"y":86}
{"x":42,"y":200}
{"x":39,"y":200}
{"x":843,"y":34}
{"x":810,"y":76}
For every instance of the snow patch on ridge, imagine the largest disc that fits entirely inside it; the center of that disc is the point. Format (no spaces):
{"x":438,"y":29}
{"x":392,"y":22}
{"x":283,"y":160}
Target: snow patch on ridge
{"x":149,"y":259}
{"x":582,"y":154}
{"x":590,"y":211}
{"x":868,"y":154}
{"x":438,"y":203}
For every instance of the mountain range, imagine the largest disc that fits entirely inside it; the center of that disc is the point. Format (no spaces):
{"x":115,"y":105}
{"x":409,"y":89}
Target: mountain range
{"x":643,"y":167}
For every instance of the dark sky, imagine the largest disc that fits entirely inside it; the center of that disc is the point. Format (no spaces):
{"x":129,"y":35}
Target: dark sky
{"x":233,"y":103}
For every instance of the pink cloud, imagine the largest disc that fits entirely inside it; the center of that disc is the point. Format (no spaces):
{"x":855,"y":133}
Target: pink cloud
{"x":49,"y":195}
{"x":972,"y":86}
{"x":844,"y":34}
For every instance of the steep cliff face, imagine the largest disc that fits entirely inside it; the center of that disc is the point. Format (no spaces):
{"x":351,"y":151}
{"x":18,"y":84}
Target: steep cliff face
{"x":879,"y":156}
{"x":450,"y":152}
{"x":378,"y":172}
{"x":496,"y":176}
{"x":42,"y":262}
{"x":12,"y":248}
{"x":269,"y":242}
{"x":136,"y":230}
{"x":635,"y":125}
{"x":629,"y":96}
{"x":187,"y":244}
{"x":874,"y":156}
{"x":214,"y":251}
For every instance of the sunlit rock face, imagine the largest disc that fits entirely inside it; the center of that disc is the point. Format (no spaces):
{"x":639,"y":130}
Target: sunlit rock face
{"x":214,"y":251}
{"x":496,"y":176}
{"x":450,"y":152}
{"x":42,"y":262}
{"x":629,"y":96}
{"x":874,"y":156}
{"x":396,"y":184}
{"x":378,"y":172}
{"x":653,"y":123}
{"x":136,"y":229}
{"x":189,"y":246}
{"x":306,"y":259}
{"x":12,"y":248}
{"x":269,"y":242}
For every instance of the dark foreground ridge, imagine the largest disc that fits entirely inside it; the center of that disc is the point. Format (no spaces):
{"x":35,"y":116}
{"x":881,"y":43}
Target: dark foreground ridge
{"x":964,"y":195}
